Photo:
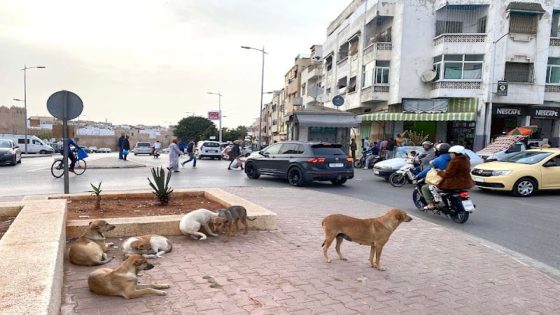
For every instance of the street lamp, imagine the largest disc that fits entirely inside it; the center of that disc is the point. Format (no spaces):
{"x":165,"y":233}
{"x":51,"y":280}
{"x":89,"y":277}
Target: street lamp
{"x":25,"y":67}
{"x":262,"y":86}
{"x":220,"y":111}
{"x":488,"y":119}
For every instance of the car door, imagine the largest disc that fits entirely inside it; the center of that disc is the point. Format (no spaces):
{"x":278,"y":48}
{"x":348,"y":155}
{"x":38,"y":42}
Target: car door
{"x":551,"y":173}
{"x":287,"y":153}
{"x":266,"y":158}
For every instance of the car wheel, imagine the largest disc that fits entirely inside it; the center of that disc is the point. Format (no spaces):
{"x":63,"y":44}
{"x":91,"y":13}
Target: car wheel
{"x":524,"y":187}
{"x":295,"y":176}
{"x":42,"y":152}
{"x":19,"y":161}
{"x":252,"y":171}
{"x":338,"y":182}
{"x":14,"y":161}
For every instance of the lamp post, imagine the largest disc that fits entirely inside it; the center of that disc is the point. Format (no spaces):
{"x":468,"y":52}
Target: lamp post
{"x":25,"y":67}
{"x":488,"y":121}
{"x":262,"y":86}
{"x":220,"y":111}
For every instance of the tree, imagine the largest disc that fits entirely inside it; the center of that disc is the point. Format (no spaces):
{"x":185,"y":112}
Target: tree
{"x":194,"y":126}
{"x":238,"y":133}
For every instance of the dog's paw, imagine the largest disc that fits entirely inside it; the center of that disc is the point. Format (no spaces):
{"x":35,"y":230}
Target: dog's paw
{"x":329,"y":261}
{"x":162,"y":293}
{"x":343,"y":258}
{"x":374,"y":265}
{"x":164,"y":286}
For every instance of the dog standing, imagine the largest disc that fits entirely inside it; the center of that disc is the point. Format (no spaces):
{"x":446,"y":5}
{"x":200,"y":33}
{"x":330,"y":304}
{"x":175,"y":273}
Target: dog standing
{"x":374,"y":232}
{"x":192,"y":222}
{"x":90,"y":249}
{"x":123,"y":281}
{"x":149,"y":246}
{"x":234,"y":214}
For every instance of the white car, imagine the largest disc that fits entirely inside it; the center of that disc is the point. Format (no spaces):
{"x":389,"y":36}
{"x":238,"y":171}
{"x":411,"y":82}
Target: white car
{"x":143,"y":148}
{"x":104,"y":150}
{"x":209,"y":149}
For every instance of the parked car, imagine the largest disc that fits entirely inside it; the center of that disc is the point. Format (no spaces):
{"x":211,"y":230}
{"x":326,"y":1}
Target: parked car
{"x":523,"y":173}
{"x":9,"y":152}
{"x":34,"y":144}
{"x":387,"y":167}
{"x":245,"y":151}
{"x":104,"y":150}
{"x":93,"y":149}
{"x":209,"y":149}
{"x":143,"y":148}
{"x":301,"y":163}
{"x":502,"y":148}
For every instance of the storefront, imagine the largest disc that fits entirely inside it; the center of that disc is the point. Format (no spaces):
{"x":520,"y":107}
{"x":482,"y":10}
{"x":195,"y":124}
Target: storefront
{"x":506,"y":117}
{"x":548,"y":120}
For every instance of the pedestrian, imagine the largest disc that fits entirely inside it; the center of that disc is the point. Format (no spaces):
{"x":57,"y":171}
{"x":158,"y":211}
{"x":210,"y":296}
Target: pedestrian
{"x":234,"y":154}
{"x":383,"y":148}
{"x":182,"y":145}
{"x":125,"y":147}
{"x":174,"y":154}
{"x":399,"y":139}
{"x":120,"y":145}
{"x":366,"y":144}
{"x":190,"y":153}
{"x":353,"y":148}
{"x":391,"y":148}
{"x":156,"y":149}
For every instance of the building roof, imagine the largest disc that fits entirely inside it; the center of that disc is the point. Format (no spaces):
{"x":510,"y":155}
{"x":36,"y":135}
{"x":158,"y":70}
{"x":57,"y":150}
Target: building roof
{"x":526,"y":7}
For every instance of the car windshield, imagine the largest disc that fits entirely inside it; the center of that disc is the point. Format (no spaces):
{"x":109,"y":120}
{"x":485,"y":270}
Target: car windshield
{"x":211,"y":144}
{"x":527,"y":157}
{"x":402,"y":152}
{"x":5,"y":144}
{"x":140,"y":144}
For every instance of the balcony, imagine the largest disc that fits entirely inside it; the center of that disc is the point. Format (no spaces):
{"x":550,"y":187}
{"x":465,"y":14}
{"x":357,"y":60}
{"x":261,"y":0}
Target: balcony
{"x":375,"y":94}
{"x":460,"y":38}
{"x":455,"y":89}
{"x":460,"y":43}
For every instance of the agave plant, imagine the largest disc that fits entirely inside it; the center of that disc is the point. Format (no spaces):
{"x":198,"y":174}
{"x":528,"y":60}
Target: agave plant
{"x":160,"y":185}
{"x":96,"y":190}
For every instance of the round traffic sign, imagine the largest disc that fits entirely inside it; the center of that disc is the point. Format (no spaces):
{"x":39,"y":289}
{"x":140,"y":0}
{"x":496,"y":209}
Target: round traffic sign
{"x":65,"y":105}
{"x":338,"y":101}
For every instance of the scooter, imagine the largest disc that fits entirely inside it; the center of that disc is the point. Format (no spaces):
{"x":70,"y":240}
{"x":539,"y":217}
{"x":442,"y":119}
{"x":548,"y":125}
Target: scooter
{"x":456,"y":204}
{"x":404,"y":175}
{"x":359,"y":163}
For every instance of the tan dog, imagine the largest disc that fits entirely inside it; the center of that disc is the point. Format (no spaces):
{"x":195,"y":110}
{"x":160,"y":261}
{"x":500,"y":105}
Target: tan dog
{"x":123,"y":281}
{"x":90,"y":249}
{"x":374,"y":232}
{"x":149,"y":246}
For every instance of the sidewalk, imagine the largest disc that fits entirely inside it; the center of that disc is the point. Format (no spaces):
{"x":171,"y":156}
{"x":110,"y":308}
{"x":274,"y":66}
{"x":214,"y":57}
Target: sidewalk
{"x":111,"y":162}
{"x":430,"y":270}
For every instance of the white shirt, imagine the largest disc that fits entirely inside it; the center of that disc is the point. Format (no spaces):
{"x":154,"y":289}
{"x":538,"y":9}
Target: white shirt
{"x":157,"y":145}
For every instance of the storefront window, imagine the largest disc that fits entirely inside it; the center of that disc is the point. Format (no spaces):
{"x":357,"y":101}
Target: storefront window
{"x":553,"y":71}
{"x":459,"y":67}
{"x":461,"y":133}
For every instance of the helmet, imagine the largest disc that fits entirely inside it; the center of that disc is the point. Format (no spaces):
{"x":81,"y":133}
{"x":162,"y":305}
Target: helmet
{"x":443,"y":147}
{"x":427,"y":144}
{"x":457,"y":149}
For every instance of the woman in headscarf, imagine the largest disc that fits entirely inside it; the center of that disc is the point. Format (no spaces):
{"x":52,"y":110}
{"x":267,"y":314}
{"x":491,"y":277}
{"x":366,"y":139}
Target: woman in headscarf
{"x":174,"y":154}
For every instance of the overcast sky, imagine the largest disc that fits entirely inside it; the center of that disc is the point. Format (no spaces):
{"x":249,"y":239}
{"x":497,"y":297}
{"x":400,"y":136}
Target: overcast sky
{"x":152,"y":61}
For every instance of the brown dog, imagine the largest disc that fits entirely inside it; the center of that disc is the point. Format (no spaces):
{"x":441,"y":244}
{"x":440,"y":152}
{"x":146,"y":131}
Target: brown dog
{"x":374,"y":232}
{"x":90,"y":249}
{"x":123,"y":281}
{"x":233,"y":215}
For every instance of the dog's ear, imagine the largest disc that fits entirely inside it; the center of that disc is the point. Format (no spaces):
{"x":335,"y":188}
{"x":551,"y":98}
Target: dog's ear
{"x":90,"y":222}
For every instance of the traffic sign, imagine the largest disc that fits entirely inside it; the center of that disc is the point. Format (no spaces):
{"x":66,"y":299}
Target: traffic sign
{"x":214,"y":115}
{"x":338,"y":101}
{"x":65,"y":105}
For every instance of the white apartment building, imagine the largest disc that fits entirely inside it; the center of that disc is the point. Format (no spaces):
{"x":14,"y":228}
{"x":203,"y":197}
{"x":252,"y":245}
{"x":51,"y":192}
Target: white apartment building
{"x":434,"y":66}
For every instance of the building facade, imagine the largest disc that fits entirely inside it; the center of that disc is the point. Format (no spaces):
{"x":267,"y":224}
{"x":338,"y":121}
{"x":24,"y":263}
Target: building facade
{"x":434,"y":66}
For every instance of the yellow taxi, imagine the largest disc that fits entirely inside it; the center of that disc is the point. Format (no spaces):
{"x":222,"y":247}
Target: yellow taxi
{"x":523,"y":173}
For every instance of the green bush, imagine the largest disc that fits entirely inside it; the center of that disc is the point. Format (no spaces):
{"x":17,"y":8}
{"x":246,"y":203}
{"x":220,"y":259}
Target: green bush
{"x":160,"y":185}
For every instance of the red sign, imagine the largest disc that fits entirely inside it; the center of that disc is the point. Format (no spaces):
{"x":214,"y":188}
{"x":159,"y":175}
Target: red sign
{"x":214,"y":115}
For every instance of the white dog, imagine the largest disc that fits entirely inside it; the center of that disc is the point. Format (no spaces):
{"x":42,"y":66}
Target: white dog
{"x":149,"y":246}
{"x":192,"y":222}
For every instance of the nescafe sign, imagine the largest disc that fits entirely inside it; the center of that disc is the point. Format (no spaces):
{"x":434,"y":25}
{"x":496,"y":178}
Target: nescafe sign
{"x":545,"y":112}
{"x":509,"y":111}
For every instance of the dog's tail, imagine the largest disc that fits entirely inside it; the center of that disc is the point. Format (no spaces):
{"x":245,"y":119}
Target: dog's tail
{"x":103,"y":262}
{"x":253,"y":219}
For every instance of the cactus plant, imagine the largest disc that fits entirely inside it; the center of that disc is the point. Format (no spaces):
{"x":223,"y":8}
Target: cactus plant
{"x":96,"y":190}
{"x":160,"y":185}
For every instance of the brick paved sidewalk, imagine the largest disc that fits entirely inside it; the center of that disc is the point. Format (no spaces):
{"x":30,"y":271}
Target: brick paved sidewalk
{"x":430,"y":270}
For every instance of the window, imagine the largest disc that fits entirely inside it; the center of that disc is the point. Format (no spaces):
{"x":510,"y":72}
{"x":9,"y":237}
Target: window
{"x":303,"y":86}
{"x":354,"y":45}
{"x":328,"y":92}
{"x":443,"y":27}
{"x":367,"y":75}
{"x":523,"y":23}
{"x":519,"y":72}
{"x":273,"y":149}
{"x":352,"y":85}
{"x":481,"y":27}
{"x":553,"y":71}
{"x":554,"y":27}
{"x":458,"y":67}
{"x":342,"y":82}
{"x":291,"y":148}
{"x":328,"y":62}
{"x":343,"y":51}
{"x":382,"y":72}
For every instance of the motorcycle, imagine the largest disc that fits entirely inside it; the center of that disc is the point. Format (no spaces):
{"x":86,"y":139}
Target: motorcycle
{"x":404,"y":175}
{"x":359,"y":163}
{"x":456,"y":204}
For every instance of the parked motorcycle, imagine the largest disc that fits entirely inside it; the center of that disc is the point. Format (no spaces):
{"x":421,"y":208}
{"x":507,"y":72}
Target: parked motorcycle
{"x":404,"y":175}
{"x":359,"y":163}
{"x":456,"y":204}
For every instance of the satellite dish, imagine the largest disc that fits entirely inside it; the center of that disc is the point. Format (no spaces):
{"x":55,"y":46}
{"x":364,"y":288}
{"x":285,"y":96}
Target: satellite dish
{"x":322,"y":98}
{"x":428,"y":76}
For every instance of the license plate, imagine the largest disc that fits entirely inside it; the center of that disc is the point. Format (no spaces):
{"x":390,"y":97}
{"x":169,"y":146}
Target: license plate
{"x":212,"y":151}
{"x":468,"y":205}
{"x":478,"y":179}
{"x":376,"y":172}
{"x":336,"y":164}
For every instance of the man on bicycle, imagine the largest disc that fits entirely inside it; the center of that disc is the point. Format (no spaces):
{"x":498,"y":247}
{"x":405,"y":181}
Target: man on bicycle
{"x":71,"y":154}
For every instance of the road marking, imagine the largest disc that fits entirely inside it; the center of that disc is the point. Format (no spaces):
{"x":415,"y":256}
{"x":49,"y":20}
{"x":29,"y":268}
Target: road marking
{"x":38,"y":169}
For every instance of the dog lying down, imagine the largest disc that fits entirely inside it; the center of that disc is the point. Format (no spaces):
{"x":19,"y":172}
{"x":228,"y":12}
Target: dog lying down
{"x":149,"y":246}
{"x":192,"y":222}
{"x":374,"y":232}
{"x":90,"y":249}
{"x":123,"y":281}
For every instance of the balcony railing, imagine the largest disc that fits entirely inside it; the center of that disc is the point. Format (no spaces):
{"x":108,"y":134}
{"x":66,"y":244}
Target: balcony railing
{"x":380,"y":88}
{"x":459,"y":85}
{"x":555,"y":41}
{"x":460,"y":38}
{"x":384,"y":46}
{"x":549,"y":88}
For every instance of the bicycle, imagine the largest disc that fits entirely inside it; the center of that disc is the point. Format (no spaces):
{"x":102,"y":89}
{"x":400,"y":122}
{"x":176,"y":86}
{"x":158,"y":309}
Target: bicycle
{"x":57,"y":168}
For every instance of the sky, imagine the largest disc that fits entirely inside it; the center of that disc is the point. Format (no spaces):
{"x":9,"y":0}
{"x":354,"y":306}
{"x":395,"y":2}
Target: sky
{"x":153,"y":62}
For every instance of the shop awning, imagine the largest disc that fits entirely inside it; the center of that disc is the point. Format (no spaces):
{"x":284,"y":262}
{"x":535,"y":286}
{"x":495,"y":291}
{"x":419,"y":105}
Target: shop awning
{"x":328,"y":120}
{"x":526,"y":7}
{"x":462,"y":116}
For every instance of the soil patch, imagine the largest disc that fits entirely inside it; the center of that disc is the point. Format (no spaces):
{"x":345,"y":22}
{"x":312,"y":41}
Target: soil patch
{"x":5,"y":223}
{"x":123,"y":206}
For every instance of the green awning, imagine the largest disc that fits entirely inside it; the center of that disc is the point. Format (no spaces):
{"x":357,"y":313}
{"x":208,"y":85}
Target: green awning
{"x":462,"y":116}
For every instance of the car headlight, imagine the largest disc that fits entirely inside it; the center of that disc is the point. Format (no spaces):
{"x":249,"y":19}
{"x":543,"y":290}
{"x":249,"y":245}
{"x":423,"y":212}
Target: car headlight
{"x":500,"y":173}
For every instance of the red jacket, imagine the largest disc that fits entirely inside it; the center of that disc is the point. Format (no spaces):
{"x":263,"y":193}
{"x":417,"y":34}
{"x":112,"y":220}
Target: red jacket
{"x":457,"y":175}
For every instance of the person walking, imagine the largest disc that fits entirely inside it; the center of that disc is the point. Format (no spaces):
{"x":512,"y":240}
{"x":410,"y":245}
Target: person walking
{"x":174,"y":154}
{"x":125,"y":147}
{"x":120,"y":145}
{"x":182,"y":145}
{"x":353,"y":147}
{"x":391,"y":144}
{"x":190,"y":153}
{"x":234,"y":154}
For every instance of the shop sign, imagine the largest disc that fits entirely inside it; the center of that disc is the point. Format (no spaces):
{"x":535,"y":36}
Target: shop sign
{"x":509,"y":111}
{"x":545,"y":112}
{"x":502,"y":88}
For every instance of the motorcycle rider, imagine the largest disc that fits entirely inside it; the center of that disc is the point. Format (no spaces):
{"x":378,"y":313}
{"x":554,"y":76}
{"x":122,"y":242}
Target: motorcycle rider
{"x":371,"y":153}
{"x":439,"y":163}
{"x":457,"y":175}
{"x":428,"y":154}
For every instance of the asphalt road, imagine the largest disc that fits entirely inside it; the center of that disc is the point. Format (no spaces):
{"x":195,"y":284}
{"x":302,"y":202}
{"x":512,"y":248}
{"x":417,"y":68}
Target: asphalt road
{"x":525,"y":225}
